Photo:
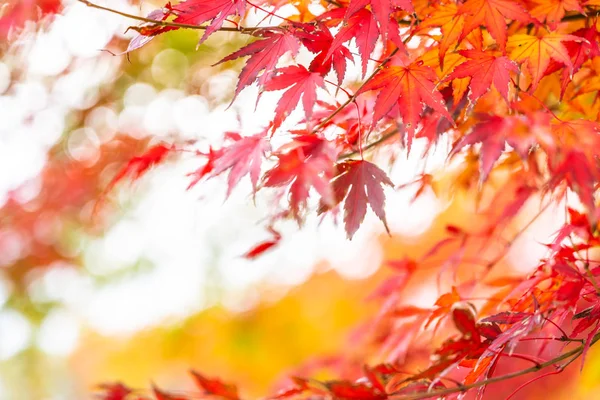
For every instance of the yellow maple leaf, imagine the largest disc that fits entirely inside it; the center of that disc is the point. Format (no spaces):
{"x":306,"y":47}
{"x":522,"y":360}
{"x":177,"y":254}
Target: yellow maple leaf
{"x":492,"y":14}
{"x":537,"y":52}
{"x":451,"y":24}
{"x":553,"y":11}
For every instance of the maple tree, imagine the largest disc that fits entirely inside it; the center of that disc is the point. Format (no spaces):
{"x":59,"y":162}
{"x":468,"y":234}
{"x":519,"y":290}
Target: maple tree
{"x":512,"y":84}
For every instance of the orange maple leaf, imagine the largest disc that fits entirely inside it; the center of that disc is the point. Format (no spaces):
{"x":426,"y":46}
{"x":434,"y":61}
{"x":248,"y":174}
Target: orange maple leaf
{"x":410,"y":86}
{"x":537,"y":52}
{"x":553,"y":11}
{"x":492,"y":14}
{"x":483,"y":69}
{"x":451,"y":24}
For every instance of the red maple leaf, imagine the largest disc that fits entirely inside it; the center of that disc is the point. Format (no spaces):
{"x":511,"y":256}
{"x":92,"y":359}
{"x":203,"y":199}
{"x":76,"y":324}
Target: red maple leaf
{"x":579,"y":52}
{"x":484,"y":68}
{"x":304,"y":163}
{"x":114,"y":391}
{"x":197,"y":12}
{"x":190,"y":12}
{"x":264,"y":55}
{"x":301,"y":83}
{"x":577,"y":135}
{"x":216,"y":387}
{"x":575,"y":160}
{"x":464,"y":318}
{"x":362,"y":27}
{"x":139,"y":165}
{"x":492,"y":14}
{"x":493,"y":132}
{"x":299,"y":386}
{"x":260,"y":248}
{"x":580,"y":173}
{"x":206,"y":169}
{"x":243,"y":157}
{"x":410,"y":86}
{"x":360,"y":183}
{"x":490,"y":134}
{"x":318,"y":39}
{"x":510,"y":337}
{"x":162,"y":395}
{"x":381,"y":10}
{"x":586,"y":318}
{"x":354,"y":391}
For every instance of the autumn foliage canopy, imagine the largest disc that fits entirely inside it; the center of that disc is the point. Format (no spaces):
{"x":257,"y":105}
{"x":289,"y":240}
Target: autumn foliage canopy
{"x":511,"y":86}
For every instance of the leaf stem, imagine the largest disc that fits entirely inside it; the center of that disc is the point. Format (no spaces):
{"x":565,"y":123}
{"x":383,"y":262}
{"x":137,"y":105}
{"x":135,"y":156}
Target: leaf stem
{"x":351,"y":99}
{"x":512,"y":241}
{"x":382,"y":139}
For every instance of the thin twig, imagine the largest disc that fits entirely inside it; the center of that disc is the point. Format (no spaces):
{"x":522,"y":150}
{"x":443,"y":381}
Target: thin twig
{"x":247,"y":31}
{"x":353,"y":98}
{"x":576,"y":352}
{"x":511,"y":242}
{"x":269,"y":13}
{"x":534,"y":379}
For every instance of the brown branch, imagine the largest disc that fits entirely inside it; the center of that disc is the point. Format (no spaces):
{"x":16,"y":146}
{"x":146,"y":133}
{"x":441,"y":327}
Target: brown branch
{"x":333,"y":2}
{"x":575,"y":17}
{"x":247,"y":31}
{"x":575,"y":353}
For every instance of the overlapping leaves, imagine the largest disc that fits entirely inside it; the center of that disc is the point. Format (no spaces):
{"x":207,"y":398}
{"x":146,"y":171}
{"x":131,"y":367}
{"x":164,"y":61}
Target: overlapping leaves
{"x":513,"y":85}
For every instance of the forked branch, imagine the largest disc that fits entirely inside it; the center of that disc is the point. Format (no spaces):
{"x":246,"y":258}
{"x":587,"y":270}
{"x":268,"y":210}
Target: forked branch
{"x":571,"y":356}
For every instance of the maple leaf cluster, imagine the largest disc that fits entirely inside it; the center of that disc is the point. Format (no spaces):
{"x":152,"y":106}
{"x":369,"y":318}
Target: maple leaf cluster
{"x":513,"y":85}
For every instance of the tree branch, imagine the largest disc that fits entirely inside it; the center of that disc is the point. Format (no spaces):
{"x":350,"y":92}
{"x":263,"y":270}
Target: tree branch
{"x":512,"y":241}
{"x":355,"y":95}
{"x":247,"y":31}
{"x":575,"y":353}
{"x":333,"y":2}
